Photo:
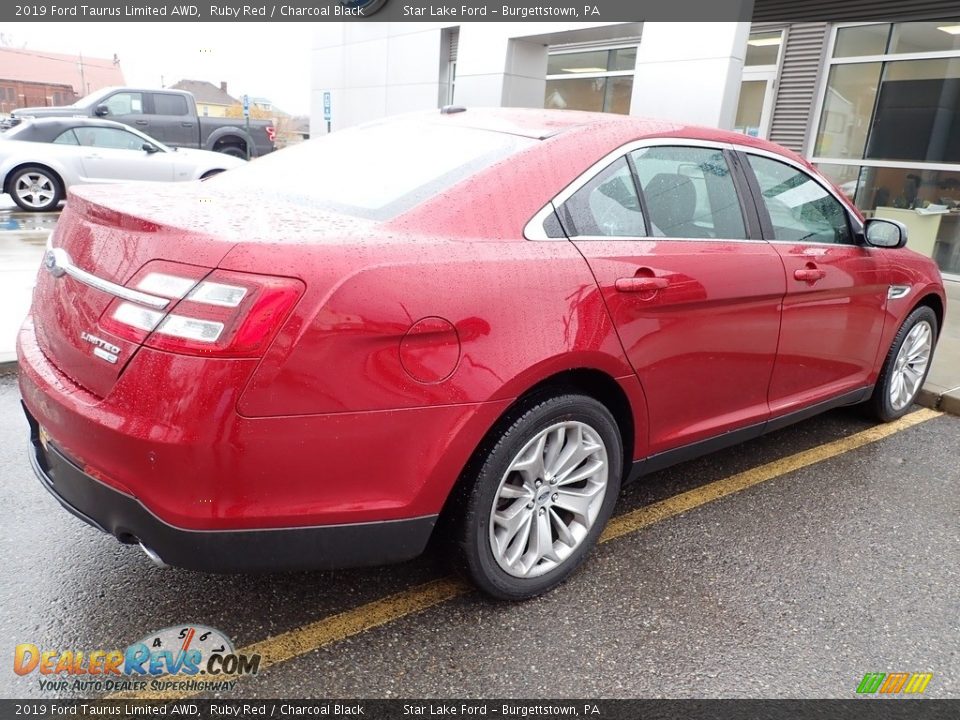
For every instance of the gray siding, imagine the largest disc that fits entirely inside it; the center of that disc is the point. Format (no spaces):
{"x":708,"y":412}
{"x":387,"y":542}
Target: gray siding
{"x":793,"y":107}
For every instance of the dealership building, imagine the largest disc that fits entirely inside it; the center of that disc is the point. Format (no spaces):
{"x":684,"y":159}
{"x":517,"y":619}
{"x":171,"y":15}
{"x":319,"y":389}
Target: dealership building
{"x":875,"y":105}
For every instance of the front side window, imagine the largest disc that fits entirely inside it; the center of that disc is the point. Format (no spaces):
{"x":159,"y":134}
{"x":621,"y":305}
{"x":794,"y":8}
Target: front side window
{"x":110,"y":138}
{"x":689,"y":193}
{"x":606,"y":206}
{"x":125,"y":104}
{"x":800,"y":208}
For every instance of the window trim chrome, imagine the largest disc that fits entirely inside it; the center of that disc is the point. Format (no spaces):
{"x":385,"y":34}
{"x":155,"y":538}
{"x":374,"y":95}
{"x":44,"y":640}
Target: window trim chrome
{"x":533,"y":230}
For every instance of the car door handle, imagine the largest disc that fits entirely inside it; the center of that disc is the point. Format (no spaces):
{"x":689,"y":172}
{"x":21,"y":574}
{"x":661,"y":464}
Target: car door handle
{"x":811,"y":273}
{"x":641,"y":284}
{"x":186,"y":124}
{"x":140,"y":122}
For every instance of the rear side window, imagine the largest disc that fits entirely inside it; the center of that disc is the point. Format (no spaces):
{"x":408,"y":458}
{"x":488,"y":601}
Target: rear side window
{"x":800,"y":208}
{"x":164,"y":104}
{"x":607,"y":206}
{"x":689,"y":193}
{"x":67,"y":138}
{"x":111,"y":138}
{"x":374,"y":171}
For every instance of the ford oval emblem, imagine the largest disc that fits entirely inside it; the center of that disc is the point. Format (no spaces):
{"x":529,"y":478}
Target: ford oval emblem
{"x":363,"y":8}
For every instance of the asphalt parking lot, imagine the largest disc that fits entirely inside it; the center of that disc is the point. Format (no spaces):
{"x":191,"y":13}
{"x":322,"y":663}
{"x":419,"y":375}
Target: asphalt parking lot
{"x":786,"y":567}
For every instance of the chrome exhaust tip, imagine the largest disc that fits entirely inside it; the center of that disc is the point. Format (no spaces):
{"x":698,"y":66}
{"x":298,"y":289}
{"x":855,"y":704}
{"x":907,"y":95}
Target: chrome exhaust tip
{"x":154,"y":558}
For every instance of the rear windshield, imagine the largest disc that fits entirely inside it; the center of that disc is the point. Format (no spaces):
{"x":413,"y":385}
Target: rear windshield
{"x":375,"y":171}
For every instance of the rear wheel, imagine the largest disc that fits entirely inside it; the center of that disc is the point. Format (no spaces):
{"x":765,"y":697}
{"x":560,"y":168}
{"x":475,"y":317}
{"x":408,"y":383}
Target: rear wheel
{"x":233,"y":151}
{"x":35,"y":189}
{"x":540,"y":497}
{"x":906,"y":366}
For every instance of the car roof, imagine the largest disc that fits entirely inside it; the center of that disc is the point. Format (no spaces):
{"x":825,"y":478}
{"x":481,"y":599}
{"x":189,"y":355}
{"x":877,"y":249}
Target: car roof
{"x":45,"y":129}
{"x":543,"y":124}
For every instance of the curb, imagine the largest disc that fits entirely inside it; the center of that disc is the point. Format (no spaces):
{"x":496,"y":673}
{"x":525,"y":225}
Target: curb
{"x":947,"y":401}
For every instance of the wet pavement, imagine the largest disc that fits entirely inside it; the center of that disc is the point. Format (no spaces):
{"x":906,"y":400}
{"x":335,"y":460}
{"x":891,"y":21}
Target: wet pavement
{"x":22,"y":239}
{"x":795,"y":587}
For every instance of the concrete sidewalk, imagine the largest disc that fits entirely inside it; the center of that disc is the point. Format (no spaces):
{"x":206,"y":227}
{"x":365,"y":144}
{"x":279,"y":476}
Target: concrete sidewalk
{"x":942,"y":389}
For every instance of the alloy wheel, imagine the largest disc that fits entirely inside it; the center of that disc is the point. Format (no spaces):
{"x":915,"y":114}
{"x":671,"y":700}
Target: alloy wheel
{"x":35,"y":189}
{"x":910,"y":367}
{"x":548,"y":499}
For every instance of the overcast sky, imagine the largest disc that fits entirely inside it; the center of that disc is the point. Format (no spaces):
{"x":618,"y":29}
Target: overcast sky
{"x":269,"y":60}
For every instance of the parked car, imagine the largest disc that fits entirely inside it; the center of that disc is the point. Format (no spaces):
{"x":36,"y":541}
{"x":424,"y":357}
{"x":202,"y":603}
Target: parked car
{"x":491,"y":318}
{"x":168,"y":115}
{"x":40,"y":159}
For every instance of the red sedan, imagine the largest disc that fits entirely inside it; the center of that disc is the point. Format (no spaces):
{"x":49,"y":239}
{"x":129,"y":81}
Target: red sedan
{"x":495,"y":318}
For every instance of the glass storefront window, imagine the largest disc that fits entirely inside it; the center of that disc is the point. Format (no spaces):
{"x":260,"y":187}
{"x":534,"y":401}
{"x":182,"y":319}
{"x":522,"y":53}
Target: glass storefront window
{"x":750,"y":107}
{"x":917,"y":114}
{"x":600,"y":94}
{"x":881,"y":108}
{"x":916,"y":37}
{"x":595,"y":80}
{"x":763,"y":48}
{"x":926,"y":201}
{"x":847,"y":110}
{"x":592,"y":61}
{"x":845,"y":177}
{"x":861,"y":40}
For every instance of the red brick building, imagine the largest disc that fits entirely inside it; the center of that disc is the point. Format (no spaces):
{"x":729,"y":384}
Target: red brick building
{"x":30,"y":78}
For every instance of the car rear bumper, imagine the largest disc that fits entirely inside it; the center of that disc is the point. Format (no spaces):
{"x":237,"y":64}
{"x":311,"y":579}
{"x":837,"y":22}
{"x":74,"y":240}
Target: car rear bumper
{"x":168,"y":436}
{"x":321,"y":547}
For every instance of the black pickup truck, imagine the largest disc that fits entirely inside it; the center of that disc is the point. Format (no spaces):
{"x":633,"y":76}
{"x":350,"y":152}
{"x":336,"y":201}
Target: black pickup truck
{"x":170,"y":116}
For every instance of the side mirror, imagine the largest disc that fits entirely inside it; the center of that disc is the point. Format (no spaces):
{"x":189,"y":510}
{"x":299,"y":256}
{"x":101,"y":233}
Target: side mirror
{"x":101,"y":111}
{"x":884,"y":233}
{"x":149,"y":148}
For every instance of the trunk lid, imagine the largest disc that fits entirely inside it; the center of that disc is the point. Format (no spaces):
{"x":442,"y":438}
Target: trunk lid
{"x":112,"y":234}
{"x":118,"y":234}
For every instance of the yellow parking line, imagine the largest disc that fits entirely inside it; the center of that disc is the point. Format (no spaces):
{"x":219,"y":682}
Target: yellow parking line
{"x":642,"y":517}
{"x":334,"y":628}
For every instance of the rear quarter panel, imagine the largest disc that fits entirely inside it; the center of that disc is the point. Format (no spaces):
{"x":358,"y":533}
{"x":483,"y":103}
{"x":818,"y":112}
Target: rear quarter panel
{"x":521,"y":310}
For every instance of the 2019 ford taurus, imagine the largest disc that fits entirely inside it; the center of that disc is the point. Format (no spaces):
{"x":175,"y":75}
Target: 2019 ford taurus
{"x":496,"y":318}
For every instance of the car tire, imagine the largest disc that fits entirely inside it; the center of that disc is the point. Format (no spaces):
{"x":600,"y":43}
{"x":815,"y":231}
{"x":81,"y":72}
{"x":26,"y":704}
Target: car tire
{"x":518,"y":479}
{"x":906,"y":366}
{"x":233,"y":151}
{"x":211,"y":173}
{"x":41,"y":185}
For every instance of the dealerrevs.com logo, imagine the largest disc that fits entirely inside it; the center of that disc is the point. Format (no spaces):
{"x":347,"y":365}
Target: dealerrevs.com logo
{"x":184,"y":658}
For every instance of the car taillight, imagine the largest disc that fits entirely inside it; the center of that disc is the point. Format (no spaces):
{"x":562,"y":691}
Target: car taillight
{"x":225,"y":314}
{"x":271,"y":133}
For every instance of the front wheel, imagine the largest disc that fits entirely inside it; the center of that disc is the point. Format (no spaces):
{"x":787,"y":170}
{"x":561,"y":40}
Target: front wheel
{"x":540,"y":497}
{"x":35,"y":189}
{"x":906,"y":365}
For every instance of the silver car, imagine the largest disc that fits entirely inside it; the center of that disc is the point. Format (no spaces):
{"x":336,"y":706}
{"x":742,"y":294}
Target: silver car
{"x":42,"y":157}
